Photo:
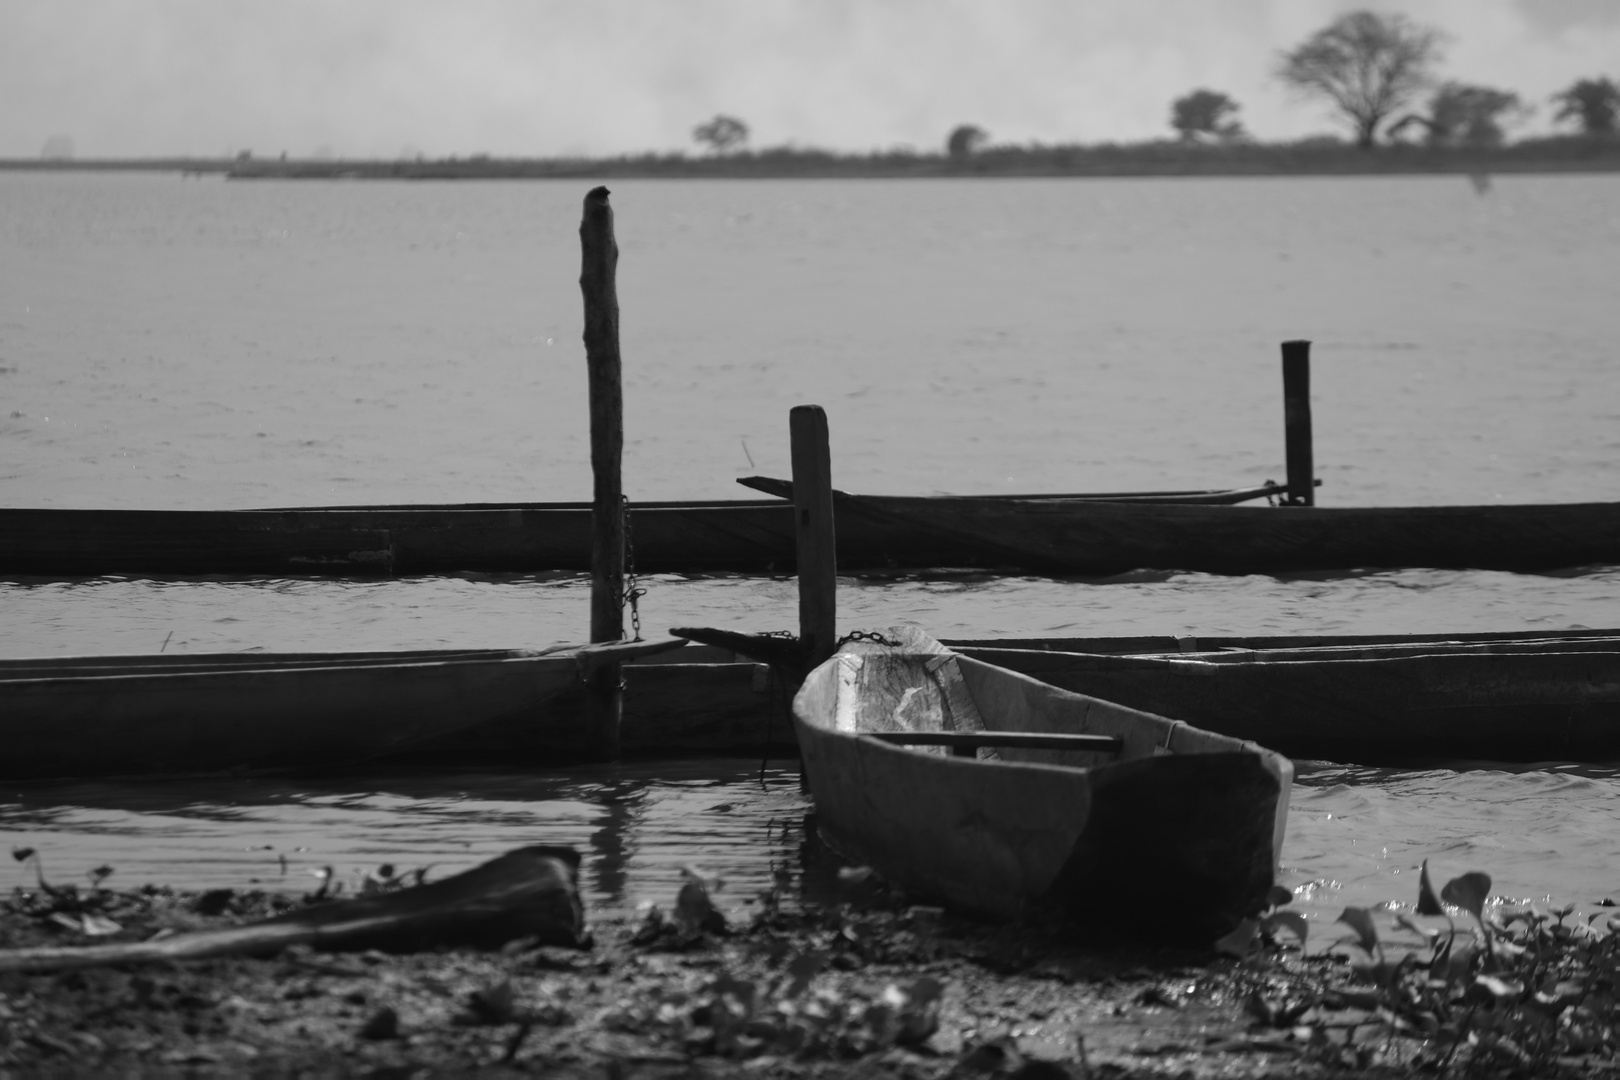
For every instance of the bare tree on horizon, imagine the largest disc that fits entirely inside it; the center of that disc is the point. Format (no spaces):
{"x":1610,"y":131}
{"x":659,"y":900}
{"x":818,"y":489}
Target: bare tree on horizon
{"x":722,"y":135}
{"x":1368,"y":65}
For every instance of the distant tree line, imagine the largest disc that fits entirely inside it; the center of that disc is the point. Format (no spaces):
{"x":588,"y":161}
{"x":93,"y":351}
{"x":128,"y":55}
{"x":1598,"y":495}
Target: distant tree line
{"x":1377,"y":71}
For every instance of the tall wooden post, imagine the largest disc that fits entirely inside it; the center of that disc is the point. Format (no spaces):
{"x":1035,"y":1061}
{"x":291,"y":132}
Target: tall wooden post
{"x":599,"y":264}
{"x":813,"y":516}
{"x":1296,"y":366}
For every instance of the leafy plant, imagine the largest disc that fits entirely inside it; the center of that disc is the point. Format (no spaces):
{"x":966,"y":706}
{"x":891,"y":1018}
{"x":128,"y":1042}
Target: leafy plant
{"x":1523,"y":992}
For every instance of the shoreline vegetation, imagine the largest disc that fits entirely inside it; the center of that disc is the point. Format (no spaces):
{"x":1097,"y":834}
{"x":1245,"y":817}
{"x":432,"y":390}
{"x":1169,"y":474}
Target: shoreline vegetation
{"x":1311,"y":157}
{"x":868,"y":983}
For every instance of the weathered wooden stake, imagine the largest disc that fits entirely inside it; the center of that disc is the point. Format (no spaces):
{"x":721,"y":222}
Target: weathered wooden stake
{"x":813,"y":515}
{"x":1296,"y":365}
{"x":599,"y":263}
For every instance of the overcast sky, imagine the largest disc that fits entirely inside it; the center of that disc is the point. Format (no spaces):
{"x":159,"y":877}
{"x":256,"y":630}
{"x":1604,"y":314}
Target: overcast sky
{"x":371,"y":78}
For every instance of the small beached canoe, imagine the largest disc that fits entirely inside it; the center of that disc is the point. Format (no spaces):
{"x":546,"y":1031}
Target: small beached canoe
{"x":1010,"y":798}
{"x":179,"y":714}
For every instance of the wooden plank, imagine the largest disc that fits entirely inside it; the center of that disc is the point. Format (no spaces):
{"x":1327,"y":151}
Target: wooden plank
{"x":1022,"y":740}
{"x":600,"y":260}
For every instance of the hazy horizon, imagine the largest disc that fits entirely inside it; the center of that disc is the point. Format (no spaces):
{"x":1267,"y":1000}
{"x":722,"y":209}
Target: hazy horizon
{"x":542,"y":78}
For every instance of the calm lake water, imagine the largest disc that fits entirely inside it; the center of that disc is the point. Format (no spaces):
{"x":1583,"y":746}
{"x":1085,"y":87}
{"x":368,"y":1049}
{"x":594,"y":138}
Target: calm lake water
{"x":184,"y":343}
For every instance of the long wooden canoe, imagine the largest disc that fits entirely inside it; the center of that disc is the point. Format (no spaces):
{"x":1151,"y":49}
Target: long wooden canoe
{"x":1529,"y":699}
{"x":1011,"y":798}
{"x":690,"y":537}
{"x":1364,"y":699}
{"x":1358,"y":699}
{"x":175,"y":714}
{"x":1091,"y":537}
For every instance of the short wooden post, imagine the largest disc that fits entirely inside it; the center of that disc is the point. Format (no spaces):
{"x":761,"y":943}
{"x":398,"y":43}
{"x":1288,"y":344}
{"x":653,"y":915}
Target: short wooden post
{"x":1296,"y":365}
{"x":813,"y":515}
{"x":599,"y":264}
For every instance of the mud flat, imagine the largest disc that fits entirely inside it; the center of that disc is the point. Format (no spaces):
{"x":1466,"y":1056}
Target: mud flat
{"x":876,"y":986}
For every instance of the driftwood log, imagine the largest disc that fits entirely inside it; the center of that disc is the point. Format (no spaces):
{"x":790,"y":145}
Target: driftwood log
{"x":531,"y":892}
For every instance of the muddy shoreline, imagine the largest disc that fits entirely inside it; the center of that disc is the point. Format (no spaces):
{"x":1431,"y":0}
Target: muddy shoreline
{"x":876,"y":986}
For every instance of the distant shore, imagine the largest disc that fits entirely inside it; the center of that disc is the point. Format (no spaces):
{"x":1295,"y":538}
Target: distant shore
{"x":1309,"y":158}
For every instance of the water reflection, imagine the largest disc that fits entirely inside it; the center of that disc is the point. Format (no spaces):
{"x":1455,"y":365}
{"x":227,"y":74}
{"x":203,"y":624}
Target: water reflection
{"x":636,"y":825}
{"x":1355,"y":835}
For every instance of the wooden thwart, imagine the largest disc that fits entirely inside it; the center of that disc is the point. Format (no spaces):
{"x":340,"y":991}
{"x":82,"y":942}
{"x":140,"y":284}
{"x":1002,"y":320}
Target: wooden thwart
{"x":968,"y":741}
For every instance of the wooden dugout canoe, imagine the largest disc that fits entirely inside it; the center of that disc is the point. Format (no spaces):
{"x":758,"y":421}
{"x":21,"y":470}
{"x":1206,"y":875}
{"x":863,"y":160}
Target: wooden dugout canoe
{"x":1479,"y":696}
{"x":177,"y":714}
{"x":1162,"y":816}
{"x":676,"y":537}
{"x":1091,"y":537}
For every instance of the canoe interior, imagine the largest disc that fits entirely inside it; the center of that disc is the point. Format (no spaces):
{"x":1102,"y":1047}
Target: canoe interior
{"x":1017,"y":832}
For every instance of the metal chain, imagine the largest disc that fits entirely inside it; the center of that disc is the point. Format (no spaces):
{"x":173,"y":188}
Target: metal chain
{"x":867,"y":635}
{"x":632,"y":591}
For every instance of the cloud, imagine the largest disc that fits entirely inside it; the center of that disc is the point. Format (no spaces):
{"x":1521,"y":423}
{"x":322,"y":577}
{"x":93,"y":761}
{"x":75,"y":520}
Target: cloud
{"x":370,"y":77}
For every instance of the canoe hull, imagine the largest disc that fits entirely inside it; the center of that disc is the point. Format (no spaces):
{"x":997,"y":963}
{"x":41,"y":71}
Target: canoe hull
{"x":307,"y":716}
{"x":1098,"y":538}
{"x":1364,"y":700}
{"x":174,"y":714}
{"x":1049,"y":832}
{"x":1055,"y":535}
